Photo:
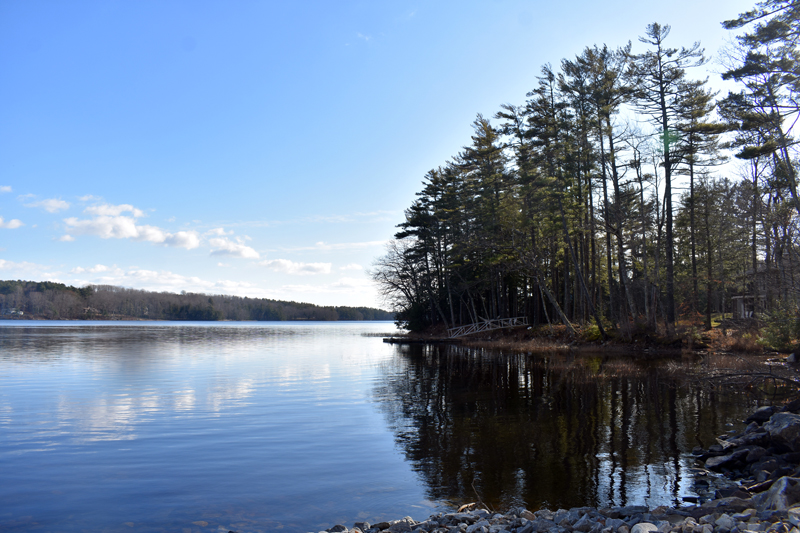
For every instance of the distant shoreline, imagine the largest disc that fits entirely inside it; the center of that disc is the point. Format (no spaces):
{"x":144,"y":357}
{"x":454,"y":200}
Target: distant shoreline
{"x":50,"y":300}
{"x":33,"y":318}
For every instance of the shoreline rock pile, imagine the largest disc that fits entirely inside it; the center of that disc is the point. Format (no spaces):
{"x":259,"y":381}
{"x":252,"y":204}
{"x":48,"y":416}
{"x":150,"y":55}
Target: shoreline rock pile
{"x":763,"y":461}
{"x":761,"y":464}
{"x":727,"y":515}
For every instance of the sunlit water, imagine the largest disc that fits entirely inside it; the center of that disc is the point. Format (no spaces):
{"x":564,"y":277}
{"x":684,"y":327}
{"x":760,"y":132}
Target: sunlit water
{"x":296,"y":427}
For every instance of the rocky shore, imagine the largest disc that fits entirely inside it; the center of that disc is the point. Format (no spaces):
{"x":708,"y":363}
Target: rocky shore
{"x":761,"y":467}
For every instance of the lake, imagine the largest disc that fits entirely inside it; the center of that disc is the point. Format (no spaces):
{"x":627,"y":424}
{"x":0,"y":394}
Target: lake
{"x":159,"y":426}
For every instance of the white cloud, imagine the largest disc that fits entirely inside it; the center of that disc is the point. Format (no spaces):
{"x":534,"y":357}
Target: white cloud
{"x":150,"y":234}
{"x":26,"y":270}
{"x":290,"y":267}
{"x":219,"y":232}
{"x":236,"y":249}
{"x":183,"y":239}
{"x":51,"y":205}
{"x":88,"y":198}
{"x":11,"y":224}
{"x":93,"y":270}
{"x":108,"y":222}
{"x":5,"y":188}
{"x":113,"y":210}
{"x":66,"y":238}
{"x":105,"y":227}
{"x":8,"y":265}
{"x":352,"y":266}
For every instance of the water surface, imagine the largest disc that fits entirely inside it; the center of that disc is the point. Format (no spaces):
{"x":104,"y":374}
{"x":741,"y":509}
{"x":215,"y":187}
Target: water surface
{"x":298,"y":426}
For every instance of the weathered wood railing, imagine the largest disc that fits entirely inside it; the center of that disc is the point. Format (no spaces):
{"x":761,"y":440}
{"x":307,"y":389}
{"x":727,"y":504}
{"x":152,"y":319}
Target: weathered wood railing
{"x":487,"y":325}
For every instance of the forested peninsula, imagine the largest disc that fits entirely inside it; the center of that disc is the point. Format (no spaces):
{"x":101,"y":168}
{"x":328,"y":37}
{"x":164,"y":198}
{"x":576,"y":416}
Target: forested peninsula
{"x":50,"y":300}
{"x":624,"y":195}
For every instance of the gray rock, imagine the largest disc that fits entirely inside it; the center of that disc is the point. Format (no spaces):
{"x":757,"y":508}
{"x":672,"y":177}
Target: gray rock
{"x":584,"y":524}
{"x":644,"y":527}
{"x":714,"y":463}
{"x":338,"y":528}
{"x":460,"y":517}
{"x":560,"y":515}
{"x":725,"y":521}
{"x":762,"y":414}
{"x":775,"y":515}
{"x":744,"y":515}
{"x":614,"y":523}
{"x":731,"y":504}
{"x":477,"y":525}
{"x":631,"y":510}
{"x":540,"y":525}
{"x":528,"y":528}
{"x":633,"y":520}
{"x":363,"y":526}
{"x":707,"y":519}
{"x":782,"y":495}
{"x":784,"y":428}
{"x":755,"y":454}
{"x":574,"y":515}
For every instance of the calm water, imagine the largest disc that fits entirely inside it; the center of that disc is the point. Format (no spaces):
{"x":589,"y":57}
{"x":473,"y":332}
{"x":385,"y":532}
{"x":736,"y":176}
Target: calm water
{"x":295,"y":427}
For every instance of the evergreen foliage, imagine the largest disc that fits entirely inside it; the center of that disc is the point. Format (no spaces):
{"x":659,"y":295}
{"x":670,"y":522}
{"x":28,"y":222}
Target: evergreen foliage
{"x":58,"y":301}
{"x":561,"y":211}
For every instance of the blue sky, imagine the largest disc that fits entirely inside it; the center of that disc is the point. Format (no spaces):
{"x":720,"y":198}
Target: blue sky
{"x":264,"y":149}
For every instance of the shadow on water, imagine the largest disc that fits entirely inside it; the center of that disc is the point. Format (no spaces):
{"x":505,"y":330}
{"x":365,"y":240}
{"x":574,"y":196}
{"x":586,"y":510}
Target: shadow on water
{"x":551,"y":430}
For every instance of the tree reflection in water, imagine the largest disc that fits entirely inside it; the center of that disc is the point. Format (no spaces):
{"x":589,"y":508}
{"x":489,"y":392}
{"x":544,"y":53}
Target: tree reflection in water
{"x":551,"y":430}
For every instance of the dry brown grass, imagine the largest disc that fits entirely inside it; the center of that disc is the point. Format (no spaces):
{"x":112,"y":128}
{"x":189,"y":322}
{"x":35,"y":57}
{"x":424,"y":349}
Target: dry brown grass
{"x":690,"y":338}
{"x":735,"y":341}
{"x":518,"y":345}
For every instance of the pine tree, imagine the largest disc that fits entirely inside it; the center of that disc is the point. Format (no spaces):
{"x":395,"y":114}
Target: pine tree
{"x":659,"y":75}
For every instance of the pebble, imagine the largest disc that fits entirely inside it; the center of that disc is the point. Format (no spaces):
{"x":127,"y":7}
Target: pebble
{"x":711,"y":517}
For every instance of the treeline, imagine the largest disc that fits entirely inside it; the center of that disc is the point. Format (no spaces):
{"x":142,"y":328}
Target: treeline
{"x":58,"y":301}
{"x":597,"y":199}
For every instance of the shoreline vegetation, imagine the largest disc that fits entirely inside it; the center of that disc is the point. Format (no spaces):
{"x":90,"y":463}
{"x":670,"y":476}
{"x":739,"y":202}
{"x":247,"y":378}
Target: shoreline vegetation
{"x":731,"y":336}
{"x":602,"y":202}
{"x":49,"y":300}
